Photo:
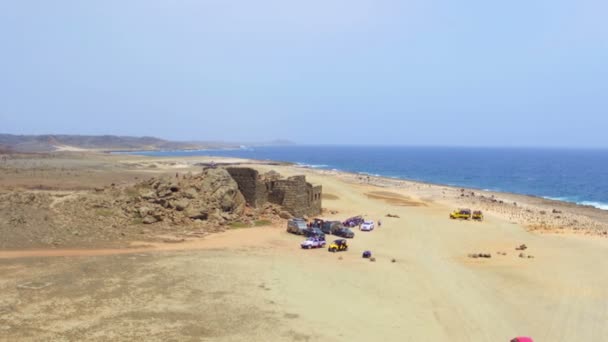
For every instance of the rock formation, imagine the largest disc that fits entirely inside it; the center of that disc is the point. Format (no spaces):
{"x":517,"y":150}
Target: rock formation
{"x":210,"y":196}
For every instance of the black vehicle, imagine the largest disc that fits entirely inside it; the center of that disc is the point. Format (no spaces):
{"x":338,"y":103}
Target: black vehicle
{"x":317,"y":223}
{"x":328,"y":226}
{"x":343,"y":232}
{"x":313,"y":231}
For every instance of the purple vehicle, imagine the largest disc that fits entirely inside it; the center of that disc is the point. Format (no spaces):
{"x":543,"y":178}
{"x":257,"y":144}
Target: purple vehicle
{"x":353,"y":221}
{"x":313,"y":242}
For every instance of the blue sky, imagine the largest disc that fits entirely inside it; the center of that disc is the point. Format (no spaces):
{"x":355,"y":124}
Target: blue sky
{"x":474,"y":73}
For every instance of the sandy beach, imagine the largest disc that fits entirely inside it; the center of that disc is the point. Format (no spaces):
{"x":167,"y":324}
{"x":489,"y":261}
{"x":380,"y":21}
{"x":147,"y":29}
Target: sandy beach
{"x":256,"y":284}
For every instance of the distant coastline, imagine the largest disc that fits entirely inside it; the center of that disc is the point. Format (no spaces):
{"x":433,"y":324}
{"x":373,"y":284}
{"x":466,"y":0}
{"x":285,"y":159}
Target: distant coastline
{"x":113,"y":143}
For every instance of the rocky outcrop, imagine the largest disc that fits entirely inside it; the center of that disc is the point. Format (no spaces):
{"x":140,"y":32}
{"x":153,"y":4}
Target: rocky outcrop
{"x":210,"y":196}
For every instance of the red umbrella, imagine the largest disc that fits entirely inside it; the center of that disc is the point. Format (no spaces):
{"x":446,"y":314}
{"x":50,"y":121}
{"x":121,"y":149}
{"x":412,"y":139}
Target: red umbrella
{"x":522,"y":339}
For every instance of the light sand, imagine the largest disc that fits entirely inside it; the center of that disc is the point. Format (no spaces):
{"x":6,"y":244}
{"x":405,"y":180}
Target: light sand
{"x":257,"y":284}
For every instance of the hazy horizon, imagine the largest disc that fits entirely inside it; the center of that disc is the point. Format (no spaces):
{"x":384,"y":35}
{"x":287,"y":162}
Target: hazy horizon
{"x":286,"y":142}
{"x":383,"y":73}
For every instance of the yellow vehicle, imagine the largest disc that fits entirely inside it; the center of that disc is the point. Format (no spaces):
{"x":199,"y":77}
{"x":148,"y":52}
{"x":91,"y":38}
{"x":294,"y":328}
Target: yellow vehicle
{"x":478,"y":215}
{"x":338,"y":246}
{"x":461,"y":214}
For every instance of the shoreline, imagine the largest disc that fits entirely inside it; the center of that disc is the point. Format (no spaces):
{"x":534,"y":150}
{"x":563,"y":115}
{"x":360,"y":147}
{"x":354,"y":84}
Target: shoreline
{"x":469,"y":188}
{"x":533,"y":212}
{"x":582,"y":203}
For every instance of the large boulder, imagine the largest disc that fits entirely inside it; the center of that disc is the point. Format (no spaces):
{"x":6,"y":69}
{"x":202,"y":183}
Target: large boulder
{"x":143,"y":211}
{"x":181,"y":204}
{"x":221,"y":191}
{"x":149,"y":220}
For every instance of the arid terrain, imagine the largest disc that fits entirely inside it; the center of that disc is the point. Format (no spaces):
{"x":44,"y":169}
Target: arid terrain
{"x":100,"y":276}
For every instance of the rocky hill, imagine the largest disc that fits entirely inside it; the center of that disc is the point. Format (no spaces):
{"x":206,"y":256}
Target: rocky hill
{"x":64,"y":142}
{"x":182,"y":205}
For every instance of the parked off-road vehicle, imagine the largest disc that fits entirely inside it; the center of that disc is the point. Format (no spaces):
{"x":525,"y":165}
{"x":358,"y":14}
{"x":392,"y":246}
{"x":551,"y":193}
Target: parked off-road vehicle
{"x":317,"y":223}
{"x":343,"y":232}
{"x":461,"y":214}
{"x":328,"y":226}
{"x":313,"y":242}
{"x":297,"y":226}
{"x":367,"y":226}
{"x":477,"y":215}
{"x":353,"y":221}
{"x":338,"y":246}
{"x":309,"y":232}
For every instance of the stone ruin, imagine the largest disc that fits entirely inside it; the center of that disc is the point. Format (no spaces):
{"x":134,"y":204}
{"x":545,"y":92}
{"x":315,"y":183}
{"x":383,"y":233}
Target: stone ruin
{"x":294,"y":194}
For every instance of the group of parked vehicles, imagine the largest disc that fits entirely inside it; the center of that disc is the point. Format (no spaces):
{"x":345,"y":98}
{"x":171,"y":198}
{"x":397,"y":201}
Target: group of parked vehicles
{"x":467,"y":214}
{"x":317,"y":229}
{"x":319,"y":242}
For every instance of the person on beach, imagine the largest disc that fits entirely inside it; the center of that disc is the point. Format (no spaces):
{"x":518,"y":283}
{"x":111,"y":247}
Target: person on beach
{"x":379,"y":223}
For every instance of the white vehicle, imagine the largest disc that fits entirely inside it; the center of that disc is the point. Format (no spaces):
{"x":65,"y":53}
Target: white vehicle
{"x":313,"y":242}
{"x":367,"y":226}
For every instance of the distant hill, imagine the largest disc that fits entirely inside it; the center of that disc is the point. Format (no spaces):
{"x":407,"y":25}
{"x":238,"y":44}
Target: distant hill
{"x":64,"y":142}
{"x":50,"y":143}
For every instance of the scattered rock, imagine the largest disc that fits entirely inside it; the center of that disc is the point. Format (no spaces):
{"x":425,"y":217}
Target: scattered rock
{"x":149,"y":220}
{"x":190,"y":193}
{"x":143,"y":211}
{"x":479,"y":255}
{"x":181,"y":204}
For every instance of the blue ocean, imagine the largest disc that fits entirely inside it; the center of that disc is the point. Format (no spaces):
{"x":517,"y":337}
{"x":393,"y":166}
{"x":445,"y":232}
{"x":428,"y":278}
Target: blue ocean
{"x":579,"y":176}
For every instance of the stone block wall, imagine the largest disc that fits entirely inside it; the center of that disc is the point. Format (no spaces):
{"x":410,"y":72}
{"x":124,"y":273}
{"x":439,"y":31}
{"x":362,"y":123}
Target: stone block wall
{"x":294,"y":194}
{"x":250,"y":185}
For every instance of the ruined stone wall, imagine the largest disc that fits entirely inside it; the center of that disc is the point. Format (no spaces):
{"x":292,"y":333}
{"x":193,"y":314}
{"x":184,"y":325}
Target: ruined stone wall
{"x":250,"y":185}
{"x":294,"y":194}
{"x":315,"y":204}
